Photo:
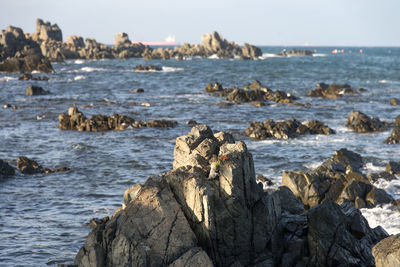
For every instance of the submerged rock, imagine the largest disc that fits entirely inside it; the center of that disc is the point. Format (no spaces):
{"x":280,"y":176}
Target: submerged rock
{"x":5,"y":169}
{"x":30,"y":166}
{"x":338,"y":179}
{"x":32,"y":90}
{"x":147,"y":68}
{"x":361,"y":123}
{"x":186,"y":217}
{"x":332,"y":91}
{"x":76,"y":120}
{"x":286,"y":129}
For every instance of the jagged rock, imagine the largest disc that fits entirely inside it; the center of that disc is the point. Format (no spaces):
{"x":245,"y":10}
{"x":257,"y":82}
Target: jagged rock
{"x":26,"y":64}
{"x":394,"y":137}
{"x":286,"y":129}
{"x":185,"y":218}
{"x":76,"y":42}
{"x":76,"y":120}
{"x":251,"y":51}
{"x":361,"y":123}
{"x":147,"y":68}
{"x":32,"y":90}
{"x":122,"y":38}
{"x":393,"y":167}
{"x":46,"y":31}
{"x":373,"y":177}
{"x":5,"y":169}
{"x":214,"y":88}
{"x":263,"y":179}
{"x":340,"y":236}
{"x":30,"y":166}
{"x":331,"y":91}
{"x":295,"y":52}
{"x":387,"y":252}
{"x":338,"y":179}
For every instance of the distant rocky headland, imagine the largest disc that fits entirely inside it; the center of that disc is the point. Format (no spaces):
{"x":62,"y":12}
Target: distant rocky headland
{"x":24,"y":52}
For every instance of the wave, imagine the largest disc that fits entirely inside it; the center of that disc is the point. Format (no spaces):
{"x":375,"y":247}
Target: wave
{"x":171,"y":69}
{"x":389,"y":81}
{"x":8,"y":78}
{"x":384,"y":216}
{"x":213,"y":56}
{"x":79,"y":78}
{"x":319,"y":55}
{"x":370,"y":167}
{"x":79,"y":61}
{"x":269,"y":55}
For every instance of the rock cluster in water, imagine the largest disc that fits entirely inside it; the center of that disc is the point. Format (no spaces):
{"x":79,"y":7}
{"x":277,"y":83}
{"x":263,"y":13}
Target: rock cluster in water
{"x":254,"y":92}
{"x":332,"y":90}
{"x":295,"y":52}
{"x":286,"y":129}
{"x":76,"y":120}
{"x":147,"y":68}
{"x":362,"y":123}
{"x":210,"y":211}
{"x":27,"y":166}
{"x":394,"y":137}
{"x":338,"y":179}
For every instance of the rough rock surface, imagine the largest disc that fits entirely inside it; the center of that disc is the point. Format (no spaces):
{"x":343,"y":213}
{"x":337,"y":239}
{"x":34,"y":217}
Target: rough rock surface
{"x":394,"y":137}
{"x":338,"y":179}
{"x":286,"y":129}
{"x":76,"y":120}
{"x":387,"y":252}
{"x":32,"y":90}
{"x":30,"y":166}
{"x":252,"y":92}
{"x":5,"y":169}
{"x":331,"y":91}
{"x":361,"y":123}
{"x":21,"y":54}
{"x":187,"y":217}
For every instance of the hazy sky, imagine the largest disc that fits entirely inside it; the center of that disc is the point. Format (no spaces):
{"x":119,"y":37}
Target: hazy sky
{"x":261,"y":22}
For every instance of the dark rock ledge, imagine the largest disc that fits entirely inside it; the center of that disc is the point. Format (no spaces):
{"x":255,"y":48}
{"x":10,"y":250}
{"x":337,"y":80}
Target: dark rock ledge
{"x":75,"y":120}
{"x":209,"y":211}
{"x":332,"y":90}
{"x":252,"y":92}
{"x":286,"y":129}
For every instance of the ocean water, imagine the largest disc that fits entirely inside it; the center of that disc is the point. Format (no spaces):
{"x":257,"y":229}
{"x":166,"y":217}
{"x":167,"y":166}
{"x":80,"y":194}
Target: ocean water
{"x":43,"y":217}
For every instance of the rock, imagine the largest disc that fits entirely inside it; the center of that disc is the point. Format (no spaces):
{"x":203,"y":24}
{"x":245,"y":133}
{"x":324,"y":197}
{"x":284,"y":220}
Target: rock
{"x":340,"y":236}
{"x":373,"y":177}
{"x":394,"y":137}
{"x":122,"y":38}
{"x":32,"y":90}
{"x":251,"y":51}
{"x":183,"y":218}
{"x":147,"y":68}
{"x":5,"y":169}
{"x":393,"y":167}
{"x":331,"y":91}
{"x":295,"y":52}
{"x":191,"y":122}
{"x":28,"y":166}
{"x":338,"y":179}
{"x":138,"y":90}
{"x":46,"y":31}
{"x":214,"y":88}
{"x":28,"y":76}
{"x":394,"y":101}
{"x":387,"y":252}
{"x":361,"y":123}
{"x":263,"y":179}
{"x":76,"y":120}
{"x":75,"y":42}
{"x":286,"y":129}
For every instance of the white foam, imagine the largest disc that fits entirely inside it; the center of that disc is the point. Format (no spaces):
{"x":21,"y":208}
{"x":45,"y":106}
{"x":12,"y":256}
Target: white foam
{"x":79,"y":61}
{"x":269,"y":55}
{"x":383,"y":216}
{"x":388,"y":81}
{"x":213,"y":56}
{"x":79,"y":78}
{"x":35,"y":72}
{"x":91,"y":69}
{"x":319,"y":55}
{"x":370,"y":167}
{"x":7,"y":78}
{"x":313,"y":165}
{"x":171,"y":69}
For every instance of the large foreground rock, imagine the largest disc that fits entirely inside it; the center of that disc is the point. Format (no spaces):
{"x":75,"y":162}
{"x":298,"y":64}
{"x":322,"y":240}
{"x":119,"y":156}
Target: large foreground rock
{"x":338,"y":179}
{"x":209,"y":211}
{"x":286,"y":129}
{"x":387,"y":252}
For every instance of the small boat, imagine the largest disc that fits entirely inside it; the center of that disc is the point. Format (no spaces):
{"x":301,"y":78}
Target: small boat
{"x":169,"y":41}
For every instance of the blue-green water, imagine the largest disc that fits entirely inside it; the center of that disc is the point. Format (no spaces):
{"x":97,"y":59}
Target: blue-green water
{"x":42,"y":217}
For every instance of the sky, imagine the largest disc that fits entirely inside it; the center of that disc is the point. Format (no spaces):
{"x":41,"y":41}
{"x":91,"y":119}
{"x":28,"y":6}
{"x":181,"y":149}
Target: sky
{"x":259,"y":22}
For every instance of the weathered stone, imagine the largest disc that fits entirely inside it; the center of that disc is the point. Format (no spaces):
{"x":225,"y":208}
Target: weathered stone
{"x":46,"y":31}
{"x":5,"y":169}
{"x":331,"y":91}
{"x":28,"y":166}
{"x":387,"y":252}
{"x":32,"y":90}
{"x":122,"y":38}
{"x":394,"y":137}
{"x":394,"y":101}
{"x":361,"y":123}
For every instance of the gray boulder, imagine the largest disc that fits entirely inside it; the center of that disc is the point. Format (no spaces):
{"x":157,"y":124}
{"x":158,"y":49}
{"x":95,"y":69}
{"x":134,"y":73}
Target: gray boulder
{"x":387,"y":252}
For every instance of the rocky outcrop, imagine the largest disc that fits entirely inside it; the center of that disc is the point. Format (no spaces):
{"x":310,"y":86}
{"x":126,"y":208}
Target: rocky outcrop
{"x":295,"y":52}
{"x":361,"y":123}
{"x":286,"y":129}
{"x":387,"y":252}
{"x":252,"y":92}
{"x":19,"y":54}
{"x":32,"y":90}
{"x":210,"y":211}
{"x":147,"y":68}
{"x":122,"y":38}
{"x":331,"y":91}
{"x":5,"y":169}
{"x":338,"y":179}
{"x":46,"y":31}
{"x":394,"y":137}
{"x":76,"y":120}
{"x":30,"y":166}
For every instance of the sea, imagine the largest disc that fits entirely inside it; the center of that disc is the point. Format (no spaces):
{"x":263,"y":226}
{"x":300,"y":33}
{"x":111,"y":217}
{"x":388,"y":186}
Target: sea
{"x":43,"y":217}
